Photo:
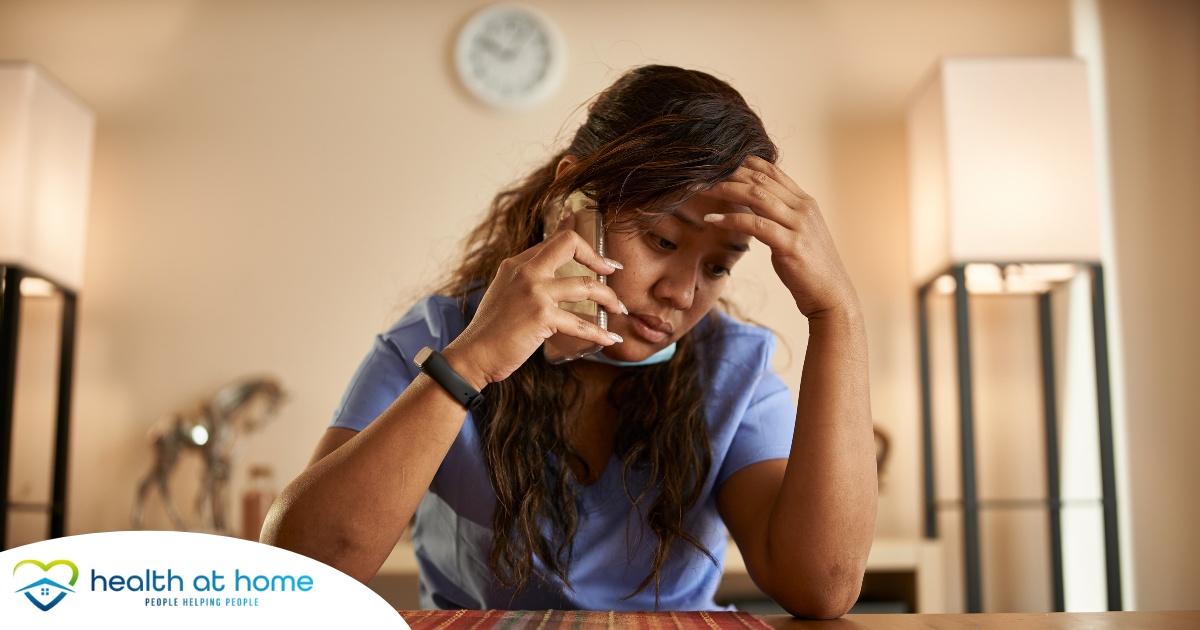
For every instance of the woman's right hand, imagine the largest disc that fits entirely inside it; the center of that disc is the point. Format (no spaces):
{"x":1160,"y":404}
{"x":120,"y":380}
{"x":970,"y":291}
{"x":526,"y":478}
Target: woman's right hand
{"x":520,"y":309}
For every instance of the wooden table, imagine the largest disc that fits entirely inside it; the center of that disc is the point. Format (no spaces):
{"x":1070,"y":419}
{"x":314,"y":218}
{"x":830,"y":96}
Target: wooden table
{"x":1146,"y":620}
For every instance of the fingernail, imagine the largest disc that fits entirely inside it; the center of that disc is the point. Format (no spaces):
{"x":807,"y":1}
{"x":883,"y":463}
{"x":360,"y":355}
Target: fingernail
{"x":624,"y":311}
{"x":613,"y":263}
{"x":615,"y":337}
{"x":713,"y":218}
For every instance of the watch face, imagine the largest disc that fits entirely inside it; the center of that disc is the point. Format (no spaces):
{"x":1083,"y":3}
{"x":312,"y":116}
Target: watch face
{"x":510,"y":56}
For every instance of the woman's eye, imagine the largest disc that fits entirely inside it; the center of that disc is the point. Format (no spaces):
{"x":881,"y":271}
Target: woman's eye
{"x":718,"y":271}
{"x":662,"y":243}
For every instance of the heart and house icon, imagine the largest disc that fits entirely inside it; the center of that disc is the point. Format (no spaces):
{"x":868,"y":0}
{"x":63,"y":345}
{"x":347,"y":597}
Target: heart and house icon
{"x":47,"y":583}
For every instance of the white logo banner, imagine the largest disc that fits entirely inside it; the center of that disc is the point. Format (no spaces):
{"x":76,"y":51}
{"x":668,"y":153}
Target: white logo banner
{"x":178,"y":580}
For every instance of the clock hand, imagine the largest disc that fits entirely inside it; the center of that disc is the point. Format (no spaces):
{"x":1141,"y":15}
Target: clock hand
{"x":515,"y":45}
{"x":493,"y":47}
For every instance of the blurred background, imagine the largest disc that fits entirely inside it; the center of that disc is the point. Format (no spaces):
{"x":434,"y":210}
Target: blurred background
{"x":274,"y":182}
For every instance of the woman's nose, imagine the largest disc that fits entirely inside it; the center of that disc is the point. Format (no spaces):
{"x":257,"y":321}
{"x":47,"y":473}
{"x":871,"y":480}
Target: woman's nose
{"x":677,"y":287}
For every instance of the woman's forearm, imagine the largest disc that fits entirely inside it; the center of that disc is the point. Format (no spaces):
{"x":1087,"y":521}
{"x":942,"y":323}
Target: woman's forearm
{"x":349,"y":508}
{"x":823,"y":521}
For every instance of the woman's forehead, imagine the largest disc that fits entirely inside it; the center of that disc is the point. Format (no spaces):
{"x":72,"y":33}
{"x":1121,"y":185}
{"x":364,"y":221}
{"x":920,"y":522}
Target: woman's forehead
{"x":690,"y":218}
{"x":690,"y":212}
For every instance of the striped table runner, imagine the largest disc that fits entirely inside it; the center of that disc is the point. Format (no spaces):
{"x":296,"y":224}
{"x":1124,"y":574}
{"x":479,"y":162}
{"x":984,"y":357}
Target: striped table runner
{"x":582,"y":619}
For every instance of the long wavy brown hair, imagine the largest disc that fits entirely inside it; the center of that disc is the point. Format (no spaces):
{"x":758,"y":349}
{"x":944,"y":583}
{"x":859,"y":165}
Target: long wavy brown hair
{"x":651,"y":141}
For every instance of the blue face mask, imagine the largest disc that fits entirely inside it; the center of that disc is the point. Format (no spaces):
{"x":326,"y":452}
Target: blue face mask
{"x":662,"y":356}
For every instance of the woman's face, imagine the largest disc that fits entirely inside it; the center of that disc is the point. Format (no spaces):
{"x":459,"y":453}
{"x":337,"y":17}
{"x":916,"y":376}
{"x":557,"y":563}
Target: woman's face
{"x":673,"y":276}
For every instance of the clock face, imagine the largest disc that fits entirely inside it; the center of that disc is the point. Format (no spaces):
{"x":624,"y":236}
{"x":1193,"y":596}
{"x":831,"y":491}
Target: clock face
{"x":510,"y":56}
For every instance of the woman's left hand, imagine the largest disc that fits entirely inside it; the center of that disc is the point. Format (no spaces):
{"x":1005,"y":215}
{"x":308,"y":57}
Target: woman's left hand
{"x":787,"y":220}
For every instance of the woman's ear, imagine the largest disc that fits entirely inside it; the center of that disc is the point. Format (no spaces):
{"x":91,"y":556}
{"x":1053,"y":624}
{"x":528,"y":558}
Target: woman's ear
{"x":565,"y":163}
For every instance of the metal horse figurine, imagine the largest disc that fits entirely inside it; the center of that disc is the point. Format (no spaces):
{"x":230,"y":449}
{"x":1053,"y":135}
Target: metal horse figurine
{"x":241,"y":407}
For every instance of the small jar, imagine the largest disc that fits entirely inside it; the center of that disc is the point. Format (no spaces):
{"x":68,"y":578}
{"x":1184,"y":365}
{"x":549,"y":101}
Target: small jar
{"x":257,"y":500}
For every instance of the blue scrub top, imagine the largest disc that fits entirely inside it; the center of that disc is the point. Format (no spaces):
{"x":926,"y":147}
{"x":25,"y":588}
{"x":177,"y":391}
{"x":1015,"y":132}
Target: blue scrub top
{"x":751,"y":416}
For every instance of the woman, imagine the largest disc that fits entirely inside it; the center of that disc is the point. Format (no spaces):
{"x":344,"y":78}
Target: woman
{"x":608,"y":483}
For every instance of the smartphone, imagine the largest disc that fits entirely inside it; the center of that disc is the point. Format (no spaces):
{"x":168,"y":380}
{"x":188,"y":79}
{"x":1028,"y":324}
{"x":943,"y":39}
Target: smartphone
{"x":589,"y":224}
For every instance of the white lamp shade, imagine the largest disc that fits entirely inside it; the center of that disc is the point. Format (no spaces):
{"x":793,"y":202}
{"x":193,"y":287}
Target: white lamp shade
{"x":46,"y":138}
{"x":1002,"y":165}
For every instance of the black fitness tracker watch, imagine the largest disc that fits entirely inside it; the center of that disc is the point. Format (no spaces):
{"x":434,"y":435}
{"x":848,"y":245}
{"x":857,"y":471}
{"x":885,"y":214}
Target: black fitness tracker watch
{"x":431,"y":363}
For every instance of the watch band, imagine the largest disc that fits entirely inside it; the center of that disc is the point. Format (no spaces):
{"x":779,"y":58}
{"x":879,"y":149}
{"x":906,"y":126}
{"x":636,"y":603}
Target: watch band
{"x":432,"y":364}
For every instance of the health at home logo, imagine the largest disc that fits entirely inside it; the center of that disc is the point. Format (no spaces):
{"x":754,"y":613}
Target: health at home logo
{"x":44,"y":591}
{"x":44,"y":588}
{"x":194,"y":580}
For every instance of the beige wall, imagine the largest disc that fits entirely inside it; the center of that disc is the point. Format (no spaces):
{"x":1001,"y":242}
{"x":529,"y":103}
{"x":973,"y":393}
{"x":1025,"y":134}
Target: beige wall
{"x":1153,"y":59}
{"x":275,"y":180}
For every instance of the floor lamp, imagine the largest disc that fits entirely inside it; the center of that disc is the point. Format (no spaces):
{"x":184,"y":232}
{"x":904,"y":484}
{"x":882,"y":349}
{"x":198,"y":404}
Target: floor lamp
{"x":1005,"y":201}
{"x":45,"y":172}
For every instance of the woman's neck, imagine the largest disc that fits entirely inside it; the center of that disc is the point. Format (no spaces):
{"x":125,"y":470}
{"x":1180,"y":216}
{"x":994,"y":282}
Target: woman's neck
{"x":596,"y":426}
{"x":594,"y":374}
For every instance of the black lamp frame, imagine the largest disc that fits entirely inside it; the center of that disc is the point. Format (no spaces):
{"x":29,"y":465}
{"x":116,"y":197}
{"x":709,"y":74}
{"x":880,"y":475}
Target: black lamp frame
{"x":10,"y":315}
{"x":971,"y":504}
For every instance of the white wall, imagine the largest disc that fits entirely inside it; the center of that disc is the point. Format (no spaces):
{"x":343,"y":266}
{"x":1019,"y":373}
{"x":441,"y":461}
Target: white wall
{"x":275,"y":181}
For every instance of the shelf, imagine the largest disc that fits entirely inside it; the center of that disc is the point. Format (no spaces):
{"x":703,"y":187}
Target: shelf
{"x":918,"y":561}
{"x":1018,"y":504}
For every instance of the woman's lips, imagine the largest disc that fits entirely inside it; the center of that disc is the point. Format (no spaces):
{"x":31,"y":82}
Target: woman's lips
{"x":650,"y":328}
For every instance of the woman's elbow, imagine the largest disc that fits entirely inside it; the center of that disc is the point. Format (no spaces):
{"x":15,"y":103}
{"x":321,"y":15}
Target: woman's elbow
{"x":284,"y":528}
{"x":276,"y":525}
{"x":826,"y":605}
{"x":287,"y":526}
{"x":828,"y":596}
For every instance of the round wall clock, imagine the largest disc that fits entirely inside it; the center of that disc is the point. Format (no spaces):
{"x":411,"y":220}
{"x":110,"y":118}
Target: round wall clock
{"x":510,"y":56}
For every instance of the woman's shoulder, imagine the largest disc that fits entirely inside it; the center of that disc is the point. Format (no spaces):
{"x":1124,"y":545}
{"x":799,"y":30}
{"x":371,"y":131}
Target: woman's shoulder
{"x":729,"y":325}
{"x":734,"y":353}
{"x":733,"y":339}
{"x":438,"y":317}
